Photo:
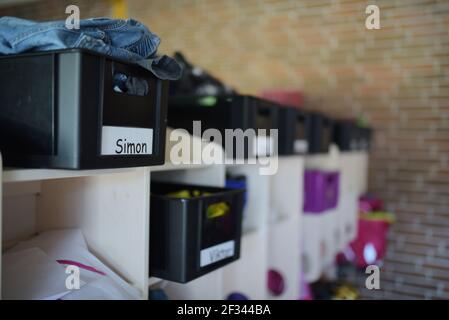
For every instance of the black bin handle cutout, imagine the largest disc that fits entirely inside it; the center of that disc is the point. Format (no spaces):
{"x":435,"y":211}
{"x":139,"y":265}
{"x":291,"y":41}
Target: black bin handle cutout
{"x":131,"y":85}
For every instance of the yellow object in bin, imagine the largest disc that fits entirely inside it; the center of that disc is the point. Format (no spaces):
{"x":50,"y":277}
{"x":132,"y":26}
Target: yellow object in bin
{"x":213,"y":211}
{"x":186,"y":194}
{"x":346,"y":292}
{"x":217,"y":210}
{"x":179,"y":194}
{"x":378,"y":216}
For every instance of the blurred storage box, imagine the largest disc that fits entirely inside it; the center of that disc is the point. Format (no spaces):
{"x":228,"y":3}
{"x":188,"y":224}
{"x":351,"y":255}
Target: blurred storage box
{"x":320,"y":190}
{"x":227,"y":112}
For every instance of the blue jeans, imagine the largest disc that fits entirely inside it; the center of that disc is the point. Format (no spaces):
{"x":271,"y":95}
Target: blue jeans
{"x":128,"y":40}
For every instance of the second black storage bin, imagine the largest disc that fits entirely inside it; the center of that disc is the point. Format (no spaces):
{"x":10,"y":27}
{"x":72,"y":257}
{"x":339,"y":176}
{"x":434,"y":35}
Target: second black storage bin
{"x":227,"y":112}
{"x":193,"y":229}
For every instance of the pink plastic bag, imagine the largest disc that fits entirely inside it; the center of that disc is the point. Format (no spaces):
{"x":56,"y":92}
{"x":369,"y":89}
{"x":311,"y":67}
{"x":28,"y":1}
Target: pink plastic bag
{"x":370,"y":245}
{"x":368,"y":204}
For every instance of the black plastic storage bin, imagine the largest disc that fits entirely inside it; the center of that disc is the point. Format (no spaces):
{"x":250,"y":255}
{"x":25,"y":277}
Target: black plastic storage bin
{"x":364,"y":138}
{"x":346,"y":135}
{"x":190,"y":237}
{"x":319,"y":133}
{"x":349,"y":136}
{"x":221,"y":113}
{"x":294,"y":131}
{"x":59,"y":109}
{"x":266,"y":117}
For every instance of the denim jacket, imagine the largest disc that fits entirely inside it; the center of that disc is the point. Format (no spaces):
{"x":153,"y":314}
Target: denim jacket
{"x":127,"y":40}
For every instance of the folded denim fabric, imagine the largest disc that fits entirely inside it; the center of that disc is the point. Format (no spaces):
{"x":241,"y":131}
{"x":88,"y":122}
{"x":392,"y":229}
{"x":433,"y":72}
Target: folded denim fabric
{"x":127,"y":40}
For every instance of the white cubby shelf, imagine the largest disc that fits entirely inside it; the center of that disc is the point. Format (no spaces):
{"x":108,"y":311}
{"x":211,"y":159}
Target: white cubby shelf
{"x":112,"y":208}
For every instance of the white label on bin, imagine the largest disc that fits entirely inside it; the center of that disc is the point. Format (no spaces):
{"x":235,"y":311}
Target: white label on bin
{"x":300,"y":146}
{"x":216,"y":253}
{"x":126,"y":141}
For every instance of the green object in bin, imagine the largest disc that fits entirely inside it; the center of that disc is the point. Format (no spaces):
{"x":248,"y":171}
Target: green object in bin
{"x":208,"y":101}
{"x":217,"y":210}
{"x":361,"y":122}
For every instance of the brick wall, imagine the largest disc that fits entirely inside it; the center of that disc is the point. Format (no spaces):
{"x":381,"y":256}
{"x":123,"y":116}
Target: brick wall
{"x":396,"y":77}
